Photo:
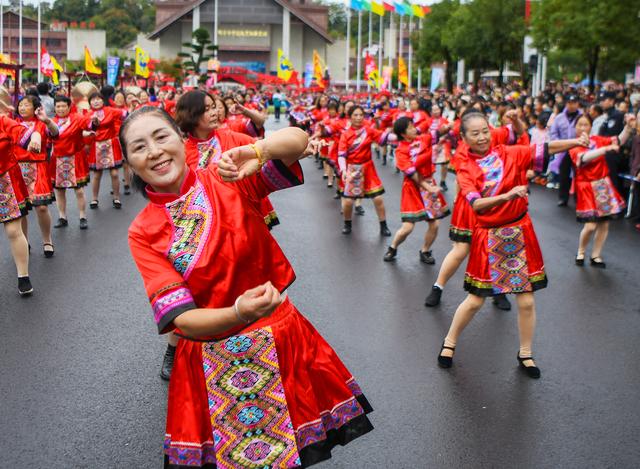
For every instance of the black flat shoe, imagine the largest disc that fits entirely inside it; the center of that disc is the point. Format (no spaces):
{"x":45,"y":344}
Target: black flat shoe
{"x":580,"y":260}
{"x":48,"y":253}
{"x":346,"y":229}
{"x":62,"y":223}
{"x":427,"y":258}
{"x":337,"y":197}
{"x":445,"y":362}
{"x":390,"y":255}
{"x":167,"y":362}
{"x":443,"y":186}
{"x":501,"y":302}
{"x":434,"y":297}
{"x":84,"y":224}
{"x":531,"y":371}
{"x":598,"y":263}
{"x":24,"y":286}
{"x":359,"y":210}
{"x":384,"y":230}
{"x":93,"y":204}
{"x":127,"y":190}
{"x":325,"y":176}
{"x":117,"y":204}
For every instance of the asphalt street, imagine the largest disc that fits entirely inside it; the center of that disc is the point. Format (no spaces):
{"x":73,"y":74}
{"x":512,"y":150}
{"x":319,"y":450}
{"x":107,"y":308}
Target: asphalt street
{"x":79,"y":360}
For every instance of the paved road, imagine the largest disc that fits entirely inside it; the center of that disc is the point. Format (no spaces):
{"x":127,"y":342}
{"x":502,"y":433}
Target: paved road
{"x":80,"y":359}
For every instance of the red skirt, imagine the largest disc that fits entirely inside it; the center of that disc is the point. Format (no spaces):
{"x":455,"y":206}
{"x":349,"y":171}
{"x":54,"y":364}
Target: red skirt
{"x":105,"y":154}
{"x":70,"y":172}
{"x":417,"y":205}
{"x":362,"y":181}
{"x":274,"y":395}
{"x":269,"y":213}
{"x":505,"y":260}
{"x":14,"y":196}
{"x":36,"y":178}
{"x":463,"y":220}
{"x":597,"y":200}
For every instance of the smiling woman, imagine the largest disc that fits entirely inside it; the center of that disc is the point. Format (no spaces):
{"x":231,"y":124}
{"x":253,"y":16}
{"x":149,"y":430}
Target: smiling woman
{"x":253,"y":383}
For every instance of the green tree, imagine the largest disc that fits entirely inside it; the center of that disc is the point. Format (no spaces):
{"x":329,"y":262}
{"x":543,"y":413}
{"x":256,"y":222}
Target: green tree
{"x":431,"y":44}
{"x":488,"y":33}
{"x":201,"y":50}
{"x":118,"y":25}
{"x":603,"y":33}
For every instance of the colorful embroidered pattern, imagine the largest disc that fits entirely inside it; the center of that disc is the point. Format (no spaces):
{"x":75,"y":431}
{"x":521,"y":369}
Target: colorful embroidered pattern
{"x":249,"y":416}
{"x":316,"y":431}
{"x":29,"y":174}
{"x":105,"y":158}
{"x":354,"y":185}
{"x":274,"y":177}
{"x":66,"y":172}
{"x":359,"y":140}
{"x":191,"y":216}
{"x":491,"y":166}
{"x":433,"y":206}
{"x":9,"y":207}
{"x":189,"y":454}
{"x":606,"y":201}
{"x":209,"y":152}
{"x":166,"y":302}
{"x":508,"y":260}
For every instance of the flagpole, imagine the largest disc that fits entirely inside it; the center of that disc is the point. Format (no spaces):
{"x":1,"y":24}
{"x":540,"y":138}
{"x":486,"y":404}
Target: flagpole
{"x":19,"y":74}
{"x":359,"y":55}
{"x":2,"y":27}
{"x":419,"y":67}
{"x":410,"y":49}
{"x":380,"y":42}
{"x":346,"y":66}
{"x":39,"y":42}
{"x":399,"y":51}
{"x":391,"y":39}
{"x":369,"y":47}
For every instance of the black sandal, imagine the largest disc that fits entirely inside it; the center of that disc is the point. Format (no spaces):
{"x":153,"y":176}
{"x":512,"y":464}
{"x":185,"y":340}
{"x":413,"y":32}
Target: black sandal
{"x":127,"y":189}
{"x":445,"y":362}
{"x":48,"y":254}
{"x":93,"y":204}
{"x":580,"y":260}
{"x":117,"y":204}
{"x":598,"y":263}
{"x":531,"y":371}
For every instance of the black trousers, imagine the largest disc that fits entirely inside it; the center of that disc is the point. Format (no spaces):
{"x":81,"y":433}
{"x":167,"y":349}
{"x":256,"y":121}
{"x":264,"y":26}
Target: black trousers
{"x":276,"y":112}
{"x":564,"y":178}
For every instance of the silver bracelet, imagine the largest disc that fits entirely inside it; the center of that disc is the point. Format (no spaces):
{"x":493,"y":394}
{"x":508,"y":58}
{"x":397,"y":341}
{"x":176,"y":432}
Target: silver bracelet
{"x":237,"y":311}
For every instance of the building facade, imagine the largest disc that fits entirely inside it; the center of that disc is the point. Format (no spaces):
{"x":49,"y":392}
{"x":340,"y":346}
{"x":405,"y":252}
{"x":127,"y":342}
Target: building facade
{"x":249,"y":32}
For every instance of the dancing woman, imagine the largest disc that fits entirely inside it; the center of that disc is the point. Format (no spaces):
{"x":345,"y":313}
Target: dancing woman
{"x":597,"y":200}
{"x":357,"y":170}
{"x":505,"y":256}
{"x":35,"y":167}
{"x":253,"y":384}
{"x":421,"y":197}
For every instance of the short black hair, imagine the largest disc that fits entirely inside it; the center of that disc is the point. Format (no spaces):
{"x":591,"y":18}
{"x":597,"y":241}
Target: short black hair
{"x":43,"y":88}
{"x":400,"y":126}
{"x":353,"y":109}
{"x":59,"y":98}
{"x":190,"y":108}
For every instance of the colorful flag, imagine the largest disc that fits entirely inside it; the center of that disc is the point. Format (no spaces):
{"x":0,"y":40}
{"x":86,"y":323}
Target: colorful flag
{"x":402,"y":8}
{"x":371,"y":73}
{"x":357,"y":5}
{"x":403,"y":72}
{"x":57,"y":70}
{"x":417,"y":11}
{"x":387,"y":73}
{"x":113,"y":63}
{"x":318,"y":69}
{"x":388,"y":6}
{"x":142,"y":63}
{"x":89,"y":64}
{"x":285,"y":67}
{"x":308,"y":74}
{"x":46,"y":66}
{"x":377,"y":8}
{"x":426,"y":10}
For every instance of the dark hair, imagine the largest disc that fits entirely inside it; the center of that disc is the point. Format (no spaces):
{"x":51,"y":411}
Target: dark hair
{"x":333,"y":105}
{"x":107,"y":92}
{"x":597,"y":108}
{"x":190,"y":108}
{"x":95,"y":95}
{"x":32,"y":99}
{"x":59,"y":98}
{"x":43,"y":88}
{"x":467,"y":116}
{"x":586,"y":116}
{"x":145,"y":111}
{"x":353,"y":109}
{"x":400,"y":126}
{"x":543,"y":118}
{"x":32,"y":92}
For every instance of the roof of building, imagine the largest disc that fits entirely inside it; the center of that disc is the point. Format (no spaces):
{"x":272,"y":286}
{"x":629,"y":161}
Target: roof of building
{"x":297,"y":12}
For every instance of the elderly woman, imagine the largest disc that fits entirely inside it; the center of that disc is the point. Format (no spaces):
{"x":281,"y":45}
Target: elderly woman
{"x":253,"y":383}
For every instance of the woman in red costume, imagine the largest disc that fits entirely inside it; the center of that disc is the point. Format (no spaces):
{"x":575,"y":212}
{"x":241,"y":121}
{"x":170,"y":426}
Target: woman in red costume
{"x":597,"y":200}
{"x":328,"y":153}
{"x":357,"y":170}
{"x":68,"y":161}
{"x":505,"y":256}
{"x":242,"y":119}
{"x":105,"y":154}
{"x":421,"y":197}
{"x":14,"y":196}
{"x":421,"y":119}
{"x":35,"y":166}
{"x":439,"y":130}
{"x":253,"y":384}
